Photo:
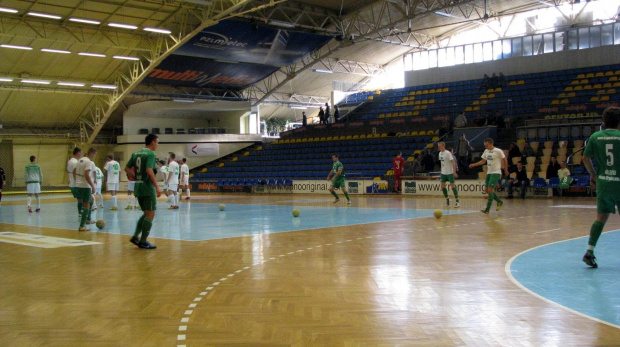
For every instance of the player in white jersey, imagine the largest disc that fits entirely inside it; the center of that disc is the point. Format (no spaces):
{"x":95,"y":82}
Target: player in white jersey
{"x":448,"y":172}
{"x":71,"y":164}
{"x":98,"y":178}
{"x":33,"y":178}
{"x":85,"y":186}
{"x":132,"y":203}
{"x":113,"y":171}
{"x":184,"y":178}
{"x":173,"y":182}
{"x":496,"y":161}
{"x":163,"y":168}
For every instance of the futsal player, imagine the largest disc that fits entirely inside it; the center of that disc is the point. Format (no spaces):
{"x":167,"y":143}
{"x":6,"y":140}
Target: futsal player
{"x":97,"y":192}
{"x":113,"y":172}
{"x":173,"y":182}
{"x":448,"y":173}
{"x":184,"y":179}
{"x":71,"y":164}
{"x":398,"y":166}
{"x":604,"y":147}
{"x":495,"y":159}
{"x":85,"y":186}
{"x":337,"y":179}
{"x":33,"y":178}
{"x":142,"y":164}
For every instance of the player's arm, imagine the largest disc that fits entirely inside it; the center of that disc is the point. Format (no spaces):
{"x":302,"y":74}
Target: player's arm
{"x":587,"y":162}
{"x":455,"y":168}
{"x":337,"y":174}
{"x":505,"y":165}
{"x":89,"y":179}
{"x":129,"y":172}
{"x":481,"y":162}
{"x":330,"y":173}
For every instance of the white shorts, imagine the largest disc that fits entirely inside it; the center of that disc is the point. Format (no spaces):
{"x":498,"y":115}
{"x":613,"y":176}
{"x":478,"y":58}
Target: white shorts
{"x":185,"y":181}
{"x":112,"y":187}
{"x":130,"y":185}
{"x":173,"y":187}
{"x":33,"y":188}
{"x":97,"y":190}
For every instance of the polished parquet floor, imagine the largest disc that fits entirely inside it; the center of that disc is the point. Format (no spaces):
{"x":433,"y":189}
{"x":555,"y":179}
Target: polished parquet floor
{"x":411,"y":280}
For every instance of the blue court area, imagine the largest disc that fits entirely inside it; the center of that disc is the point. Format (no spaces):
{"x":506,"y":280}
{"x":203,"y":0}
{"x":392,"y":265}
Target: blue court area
{"x":556,"y":272}
{"x":204,"y":221}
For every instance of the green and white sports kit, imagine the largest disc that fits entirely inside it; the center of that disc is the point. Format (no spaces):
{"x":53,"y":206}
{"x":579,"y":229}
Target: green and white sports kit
{"x":338,"y":182}
{"x":144,"y":189}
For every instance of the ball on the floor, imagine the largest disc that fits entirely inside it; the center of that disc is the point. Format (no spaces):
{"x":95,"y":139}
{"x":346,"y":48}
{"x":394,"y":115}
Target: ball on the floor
{"x":222,"y":207}
{"x":295,"y":212}
{"x":100,"y":224}
{"x":438,"y":213}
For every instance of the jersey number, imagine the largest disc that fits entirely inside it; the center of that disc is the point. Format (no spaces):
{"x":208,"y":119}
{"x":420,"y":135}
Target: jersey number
{"x":138,"y":165}
{"x":609,"y":148}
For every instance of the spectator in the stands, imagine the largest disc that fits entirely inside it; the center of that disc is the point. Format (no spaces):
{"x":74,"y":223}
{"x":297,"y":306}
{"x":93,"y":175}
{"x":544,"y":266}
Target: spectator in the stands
{"x":502,"y":80}
{"x":428,"y":162}
{"x":417,"y":164}
{"x":321,"y":116}
{"x":528,"y":151}
{"x":513,"y":152}
{"x":304,"y":119}
{"x":336,"y":114}
{"x":499,"y":120}
{"x":460,"y":121}
{"x":553,"y":168}
{"x":445,"y":129}
{"x":563,"y":172}
{"x":462,"y":153}
{"x":521,"y":180}
{"x":481,"y":120}
{"x":328,"y":113}
{"x":485,"y":82}
{"x":494,"y":81}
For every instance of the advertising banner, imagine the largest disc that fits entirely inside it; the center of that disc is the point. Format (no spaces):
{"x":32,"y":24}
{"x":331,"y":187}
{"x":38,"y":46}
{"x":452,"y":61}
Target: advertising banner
{"x":322,"y":187}
{"x":203,"y":149}
{"x":428,"y":187}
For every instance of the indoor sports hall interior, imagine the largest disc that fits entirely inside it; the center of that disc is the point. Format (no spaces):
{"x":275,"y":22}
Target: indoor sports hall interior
{"x":265,"y":101}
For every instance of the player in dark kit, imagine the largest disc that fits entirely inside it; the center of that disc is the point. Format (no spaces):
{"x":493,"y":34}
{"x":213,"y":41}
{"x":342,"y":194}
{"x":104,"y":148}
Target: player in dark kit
{"x":146,"y":189}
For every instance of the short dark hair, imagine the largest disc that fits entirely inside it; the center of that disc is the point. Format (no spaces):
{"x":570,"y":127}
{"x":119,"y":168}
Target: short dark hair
{"x":489,"y":140}
{"x":161,"y":162}
{"x":611,"y":117}
{"x":184,"y":160}
{"x":76,"y":150}
{"x":172,"y":155}
{"x":150,"y":138}
{"x":92,"y":150}
{"x":32,"y":158}
{"x":335,"y":155}
{"x":110,"y":156}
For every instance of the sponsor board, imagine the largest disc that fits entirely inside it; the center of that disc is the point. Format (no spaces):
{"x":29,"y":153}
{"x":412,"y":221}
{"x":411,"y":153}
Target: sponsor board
{"x":322,"y":187}
{"x":422,"y":187}
{"x":203,"y":150}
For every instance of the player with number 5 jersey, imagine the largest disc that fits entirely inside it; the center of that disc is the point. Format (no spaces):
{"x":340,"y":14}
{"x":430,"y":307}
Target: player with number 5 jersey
{"x":604,"y":147}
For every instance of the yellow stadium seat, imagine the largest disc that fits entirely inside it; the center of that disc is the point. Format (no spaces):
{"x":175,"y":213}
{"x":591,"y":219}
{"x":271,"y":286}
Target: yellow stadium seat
{"x":580,"y":76}
{"x":445,"y":90}
{"x":512,"y":83}
{"x":594,"y":99}
{"x":590,"y":75}
{"x":204,"y":169}
{"x":597,"y":86}
{"x":568,"y":89}
{"x":599,"y":74}
{"x":571,"y":95}
{"x":609,"y":73}
{"x":604,"y":98}
{"x":520,"y":82}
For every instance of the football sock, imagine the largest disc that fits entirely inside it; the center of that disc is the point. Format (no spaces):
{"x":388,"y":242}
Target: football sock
{"x":456,"y":193}
{"x":90,"y":210}
{"x":496,"y":197}
{"x":38,"y":202}
{"x":334,"y":194}
{"x":146,"y":229}
{"x":114,"y":201}
{"x":346,"y":195}
{"x":595,"y":232}
{"x":100,"y":198}
{"x":138,"y":226}
{"x":171,"y":199}
{"x":84,"y":216}
{"x":186,"y":189}
{"x":445,"y":192}
{"x":490,"y":199}
{"x":79,"y":206}
{"x":176,"y":200}
{"x":29,"y":200}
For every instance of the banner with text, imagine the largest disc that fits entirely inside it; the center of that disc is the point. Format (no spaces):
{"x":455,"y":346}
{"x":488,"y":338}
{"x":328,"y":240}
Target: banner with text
{"x":203,"y":150}
{"x":322,"y":187}
{"x":424,"y":187}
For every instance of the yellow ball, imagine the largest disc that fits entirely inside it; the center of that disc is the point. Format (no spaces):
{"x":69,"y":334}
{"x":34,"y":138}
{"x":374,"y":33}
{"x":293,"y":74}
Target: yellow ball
{"x":438,"y":213}
{"x":222,"y":207}
{"x":100,"y":224}
{"x":295,"y":212}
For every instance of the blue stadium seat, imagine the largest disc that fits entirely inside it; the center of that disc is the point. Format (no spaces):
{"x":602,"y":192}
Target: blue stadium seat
{"x":539,"y":182}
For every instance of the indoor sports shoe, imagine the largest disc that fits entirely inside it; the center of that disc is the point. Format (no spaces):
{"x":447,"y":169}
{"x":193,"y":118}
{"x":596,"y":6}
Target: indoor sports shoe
{"x":457,"y":205}
{"x":90,"y":222}
{"x":485,"y":211}
{"x":171,"y":208}
{"x":499,"y":206}
{"x":94,"y":208}
{"x":135,"y":241}
{"x":113,"y":208}
{"x":83,"y":229}
{"x":128,"y":208}
{"x":37,"y":210}
{"x":187,"y":198}
{"x":590,"y":260}
{"x":447,"y":202}
{"x":349,"y":202}
{"x":29,"y":209}
{"x":146,"y":245}
{"x":335,"y":201}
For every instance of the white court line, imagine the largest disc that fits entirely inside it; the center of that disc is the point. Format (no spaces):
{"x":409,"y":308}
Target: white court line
{"x":546,"y":231}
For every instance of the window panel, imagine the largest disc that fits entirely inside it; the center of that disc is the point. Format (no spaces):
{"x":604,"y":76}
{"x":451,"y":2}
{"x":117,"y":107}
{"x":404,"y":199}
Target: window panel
{"x":537,"y":44}
{"x":573,"y":39}
{"x":527,"y":46}
{"x":560,"y":41}
{"x":487,"y":51}
{"x":459,"y":55}
{"x":607,"y":35}
{"x":548,"y":43}
{"x":469,"y":54}
{"x":450,"y":56}
{"x":506,"y":48}
{"x":584,"y":38}
{"x":595,"y":37}
{"x":408,"y":62}
{"x":497,"y":50}
{"x":441,"y":57}
{"x":477,"y":52}
{"x":432,"y":59}
{"x":516,"y":47}
{"x":617,"y":33}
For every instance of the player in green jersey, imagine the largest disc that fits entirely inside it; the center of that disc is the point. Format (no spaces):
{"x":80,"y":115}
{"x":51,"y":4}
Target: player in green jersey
{"x":338,"y":179}
{"x":146,"y":189}
{"x":604,"y":147}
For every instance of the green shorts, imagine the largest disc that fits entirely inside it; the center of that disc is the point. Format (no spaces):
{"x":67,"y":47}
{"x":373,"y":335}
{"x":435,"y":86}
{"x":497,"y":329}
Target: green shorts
{"x":446,"y":178}
{"x":83,"y":194}
{"x":606,"y":200}
{"x":338,"y":182}
{"x":492,"y":180}
{"x":147,"y":203}
{"x":73,"y":192}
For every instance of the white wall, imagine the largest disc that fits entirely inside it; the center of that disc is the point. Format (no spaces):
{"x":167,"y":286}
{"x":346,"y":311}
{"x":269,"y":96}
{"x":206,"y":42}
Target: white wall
{"x":607,"y":55}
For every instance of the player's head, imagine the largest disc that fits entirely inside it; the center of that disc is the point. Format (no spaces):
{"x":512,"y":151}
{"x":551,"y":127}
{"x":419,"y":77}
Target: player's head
{"x":611,"y":117}
{"x":32,"y":158}
{"x":172,"y":155}
{"x":335,"y":157}
{"x":91,"y":152}
{"x":441,"y":145}
{"x":151,"y":140}
{"x":488,"y":143}
{"x":400,"y":154}
{"x":77,"y":152}
{"x":110,"y":156}
{"x":520,"y":165}
{"x":184,"y":160}
{"x":161,"y":162}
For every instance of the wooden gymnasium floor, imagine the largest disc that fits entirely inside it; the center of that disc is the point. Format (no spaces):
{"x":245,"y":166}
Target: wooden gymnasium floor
{"x":410,"y":280}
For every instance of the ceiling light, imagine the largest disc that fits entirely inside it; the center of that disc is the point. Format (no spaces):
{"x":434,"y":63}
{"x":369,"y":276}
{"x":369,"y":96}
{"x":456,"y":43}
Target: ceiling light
{"x":92,"y":54}
{"x":43,"y":15}
{"x":87,"y":21}
{"x":36,"y":81}
{"x":122,"y":26}
{"x":125,"y":57}
{"x":104,"y":86}
{"x":71,"y":84}
{"x":183,"y":100}
{"x":157,"y":30}
{"x":299,"y":107}
{"x":444,"y":14}
{"x":6,"y":79}
{"x":16,"y":47}
{"x":8,"y":10}
{"x":54,"y":51}
{"x":323,"y":71}
{"x":281,"y":24}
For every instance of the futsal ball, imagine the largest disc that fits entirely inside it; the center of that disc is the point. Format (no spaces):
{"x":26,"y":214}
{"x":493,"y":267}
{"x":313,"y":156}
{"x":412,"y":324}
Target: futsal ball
{"x":295,"y":212}
{"x":100,"y":224}
{"x":222,"y":207}
{"x":438,"y":213}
